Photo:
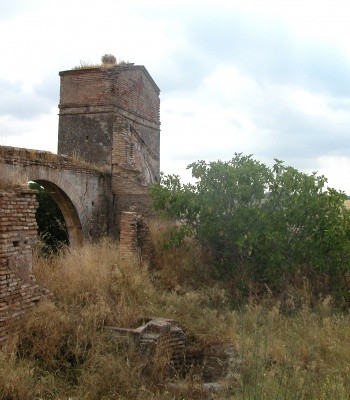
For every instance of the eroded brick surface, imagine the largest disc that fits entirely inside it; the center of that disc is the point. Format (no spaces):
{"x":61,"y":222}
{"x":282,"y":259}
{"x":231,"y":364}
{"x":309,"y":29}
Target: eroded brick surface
{"x":18,"y":233}
{"x":134,"y":235}
{"x":111,"y":117}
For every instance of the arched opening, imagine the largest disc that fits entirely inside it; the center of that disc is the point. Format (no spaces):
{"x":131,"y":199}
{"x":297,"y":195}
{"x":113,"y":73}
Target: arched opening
{"x":72,"y":226}
{"x":52,"y":228}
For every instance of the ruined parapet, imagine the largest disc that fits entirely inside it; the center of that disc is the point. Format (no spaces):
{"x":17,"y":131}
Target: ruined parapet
{"x":18,"y":234}
{"x":30,"y":157}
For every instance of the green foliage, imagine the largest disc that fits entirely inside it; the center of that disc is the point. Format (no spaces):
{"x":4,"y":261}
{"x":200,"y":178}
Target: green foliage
{"x":259,"y":220}
{"x":52,"y":228}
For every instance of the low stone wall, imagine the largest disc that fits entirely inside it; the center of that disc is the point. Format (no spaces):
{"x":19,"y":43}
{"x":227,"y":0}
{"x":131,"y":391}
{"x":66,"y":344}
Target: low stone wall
{"x":18,"y":234}
{"x":134,"y":235}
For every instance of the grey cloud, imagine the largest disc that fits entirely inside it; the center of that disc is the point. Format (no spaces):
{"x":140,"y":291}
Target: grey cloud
{"x":183,"y":70}
{"x":293,"y":134}
{"x":49,"y":88}
{"x":323,"y":68}
{"x":261,"y":47}
{"x":19,"y":104}
{"x":268,"y":52}
{"x":273,"y":56}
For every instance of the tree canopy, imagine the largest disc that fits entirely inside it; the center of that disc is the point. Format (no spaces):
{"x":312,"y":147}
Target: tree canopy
{"x":261,"y":219}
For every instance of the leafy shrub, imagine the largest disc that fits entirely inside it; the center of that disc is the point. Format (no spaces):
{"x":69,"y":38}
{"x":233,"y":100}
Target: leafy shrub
{"x":259,"y":221}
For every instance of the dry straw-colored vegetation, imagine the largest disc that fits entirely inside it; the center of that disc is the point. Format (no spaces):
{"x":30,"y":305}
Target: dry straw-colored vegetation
{"x":284,"y":351}
{"x":108,"y":61}
{"x":10,"y":180}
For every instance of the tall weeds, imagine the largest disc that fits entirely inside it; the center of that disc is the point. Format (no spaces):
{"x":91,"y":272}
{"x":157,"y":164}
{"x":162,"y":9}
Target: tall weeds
{"x":62,"y":350}
{"x":10,"y":180}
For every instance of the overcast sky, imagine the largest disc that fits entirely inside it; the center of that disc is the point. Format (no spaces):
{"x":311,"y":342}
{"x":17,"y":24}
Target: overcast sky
{"x":268,"y":78}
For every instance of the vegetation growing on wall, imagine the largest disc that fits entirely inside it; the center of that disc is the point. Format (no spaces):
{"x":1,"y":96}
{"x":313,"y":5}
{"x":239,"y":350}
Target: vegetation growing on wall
{"x":107,"y":61}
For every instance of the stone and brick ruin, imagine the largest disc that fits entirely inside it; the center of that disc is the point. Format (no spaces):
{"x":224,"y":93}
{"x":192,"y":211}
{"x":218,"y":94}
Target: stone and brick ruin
{"x":110,"y":118}
{"x":108,"y":149}
{"x":108,"y":155}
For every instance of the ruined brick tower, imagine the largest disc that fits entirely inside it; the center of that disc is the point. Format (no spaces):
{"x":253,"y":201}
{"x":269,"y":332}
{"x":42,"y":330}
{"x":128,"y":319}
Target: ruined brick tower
{"x":110,"y":117}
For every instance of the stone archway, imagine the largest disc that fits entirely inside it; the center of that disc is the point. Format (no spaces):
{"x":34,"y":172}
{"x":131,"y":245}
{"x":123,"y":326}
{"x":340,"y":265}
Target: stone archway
{"x":68,"y":210}
{"x":83,"y":195}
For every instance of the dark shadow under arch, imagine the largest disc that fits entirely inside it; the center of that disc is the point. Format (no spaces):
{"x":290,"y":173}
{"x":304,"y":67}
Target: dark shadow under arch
{"x":68,"y":210}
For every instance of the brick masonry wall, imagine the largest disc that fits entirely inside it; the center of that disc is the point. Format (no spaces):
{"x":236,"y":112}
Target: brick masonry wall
{"x":87,"y":137}
{"x":111,"y":117}
{"x":138,"y":105}
{"x":85,"y":122}
{"x":134,"y":164}
{"x":129,"y":87}
{"x":90,"y":102}
{"x":134,"y":90}
{"x":18,"y":234}
{"x":134,"y":235}
{"x":18,"y":230}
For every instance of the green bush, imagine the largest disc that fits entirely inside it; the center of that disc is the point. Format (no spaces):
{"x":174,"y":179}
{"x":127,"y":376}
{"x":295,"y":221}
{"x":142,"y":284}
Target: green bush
{"x":259,"y":220}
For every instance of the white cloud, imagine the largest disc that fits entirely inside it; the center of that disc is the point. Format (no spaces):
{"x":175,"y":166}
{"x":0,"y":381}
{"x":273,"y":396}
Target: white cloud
{"x":39,"y":133}
{"x":270,"y":78}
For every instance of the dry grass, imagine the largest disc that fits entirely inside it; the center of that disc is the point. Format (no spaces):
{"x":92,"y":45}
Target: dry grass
{"x":16,"y":378}
{"x":63,"y":351}
{"x":86,"y":65}
{"x":103,"y":65}
{"x":304,"y":356}
{"x":184,"y":267}
{"x":10,"y":180}
{"x":107,"y":64}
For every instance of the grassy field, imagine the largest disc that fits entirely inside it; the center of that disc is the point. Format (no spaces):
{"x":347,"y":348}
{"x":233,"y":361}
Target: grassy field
{"x":294,"y":348}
